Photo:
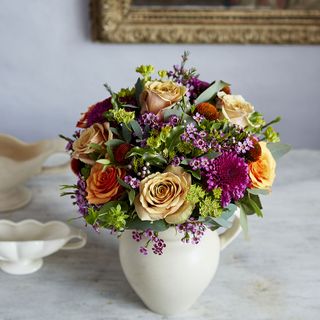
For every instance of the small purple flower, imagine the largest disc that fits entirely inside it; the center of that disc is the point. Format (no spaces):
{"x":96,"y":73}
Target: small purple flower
{"x":143,"y":250}
{"x":195,"y":163}
{"x":198,"y":117}
{"x":173,"y":120}
{"x":193,"y":231}
{"x":133,"y":182}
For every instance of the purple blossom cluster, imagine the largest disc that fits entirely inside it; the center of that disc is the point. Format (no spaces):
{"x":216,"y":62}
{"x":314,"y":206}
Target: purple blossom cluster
{"x":80,"y":196}
{"x":244,"y":146}
{"x":198,"y":117}
{"x":228,"y":172}
{"x":177,"y":160}
{"x":133,"y":182}
{"x":196,"y":137}
{"x":152,"y":237}
{"x":150,"y":119}
{"x":193,"y":231}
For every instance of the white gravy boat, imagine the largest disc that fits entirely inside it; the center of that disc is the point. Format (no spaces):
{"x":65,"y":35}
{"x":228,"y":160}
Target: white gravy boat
{"x":19,"y":161}
{"x":24,"y":244}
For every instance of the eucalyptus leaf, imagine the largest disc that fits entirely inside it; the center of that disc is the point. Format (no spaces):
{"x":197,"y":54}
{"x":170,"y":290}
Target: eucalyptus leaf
{"x":136,"y":128}
{"x":174,"y":137}
{"x":244,"y":221}
{"x":278,"y":149}
{"x":257,"y":191}
{"x":131,"y":196}
{"x":115,"y":131}
{"x":137,"y":224}
{"x":139,"y":86}
{"x":172,"y":112}
{"x":126,"y":133}
{"x":114,"y":142}
{"x":211,"y":155}
{"x":229,"y":211}
{"x":222,"y":222}
{"x":256,"y":208}
{"x":122,"y":183}
{"x":110,"y":154}
{"x":211,"y":92}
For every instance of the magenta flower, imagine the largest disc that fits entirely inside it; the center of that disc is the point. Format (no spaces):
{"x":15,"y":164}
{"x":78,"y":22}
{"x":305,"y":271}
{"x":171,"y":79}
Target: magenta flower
{"x":230,"y":173}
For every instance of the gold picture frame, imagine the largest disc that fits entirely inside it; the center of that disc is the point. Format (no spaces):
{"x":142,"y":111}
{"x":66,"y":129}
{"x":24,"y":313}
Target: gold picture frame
{"x":117,"y":21}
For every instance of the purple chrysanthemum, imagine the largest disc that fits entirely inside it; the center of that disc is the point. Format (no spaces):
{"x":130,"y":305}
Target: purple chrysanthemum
{"x":230,"y":173}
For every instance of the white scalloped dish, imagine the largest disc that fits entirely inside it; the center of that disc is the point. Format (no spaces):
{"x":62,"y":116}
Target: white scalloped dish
{"x":24,"y":244}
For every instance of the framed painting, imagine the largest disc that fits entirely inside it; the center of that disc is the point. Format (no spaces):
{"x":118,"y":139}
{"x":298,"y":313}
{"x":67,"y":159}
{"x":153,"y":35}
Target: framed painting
{"x":206,"y":21}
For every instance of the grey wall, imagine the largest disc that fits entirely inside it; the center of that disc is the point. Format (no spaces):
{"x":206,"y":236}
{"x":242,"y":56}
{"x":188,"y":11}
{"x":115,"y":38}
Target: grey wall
{"x":50,"y":71}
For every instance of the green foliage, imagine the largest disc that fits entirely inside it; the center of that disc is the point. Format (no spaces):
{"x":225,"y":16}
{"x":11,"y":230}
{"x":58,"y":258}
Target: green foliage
{"x":195,"y":194}
{"x":210,"y":206}
{"x":137,"y":224}
{"x":146,"y":71}
{"x":121,"y":115}
{"x":251,"y":204}
{"x":210,"y":93}
{"x":162,"y":73}
{"x":256,"y":119}
{"x":85,"y":171}
{"x":271,"y":135}
{"x":124,"y":92}
{"x":278,"y":149}
{"x":111,"y":216}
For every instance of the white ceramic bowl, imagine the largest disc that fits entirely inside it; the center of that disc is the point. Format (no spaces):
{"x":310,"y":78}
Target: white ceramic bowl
{"x":24,"y":244}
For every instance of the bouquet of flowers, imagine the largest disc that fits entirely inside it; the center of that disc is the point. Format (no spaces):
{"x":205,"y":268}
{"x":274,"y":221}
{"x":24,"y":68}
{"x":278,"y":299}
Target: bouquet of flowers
{"x":171,"y":151}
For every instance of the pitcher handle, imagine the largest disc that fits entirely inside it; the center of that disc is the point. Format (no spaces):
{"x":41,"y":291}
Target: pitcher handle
{"x":76,"y":234}
{"x":58,"y":146}
{"x":229,"y":235}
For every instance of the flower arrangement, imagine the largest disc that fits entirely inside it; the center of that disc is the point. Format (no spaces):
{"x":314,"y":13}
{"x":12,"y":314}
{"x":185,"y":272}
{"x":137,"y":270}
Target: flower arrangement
{"x":171,"y":151}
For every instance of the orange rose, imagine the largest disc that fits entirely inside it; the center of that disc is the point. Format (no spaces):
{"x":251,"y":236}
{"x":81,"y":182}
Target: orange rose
{"x":102,"y":185}
{"x":262,"y":171}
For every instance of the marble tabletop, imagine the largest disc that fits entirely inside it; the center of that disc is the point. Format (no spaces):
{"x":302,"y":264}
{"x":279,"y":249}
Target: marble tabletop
{"x":275,"y":274}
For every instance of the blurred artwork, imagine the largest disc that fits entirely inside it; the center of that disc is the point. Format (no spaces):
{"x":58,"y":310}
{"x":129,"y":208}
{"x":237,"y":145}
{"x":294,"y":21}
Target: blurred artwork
{"x":271,"y":4}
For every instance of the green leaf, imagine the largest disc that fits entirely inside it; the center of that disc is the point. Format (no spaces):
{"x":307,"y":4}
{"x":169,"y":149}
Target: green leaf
{"x":212,"y":91}
{"x":229,"y":211}
{"x":137,"y":224}
{"x":122,"y":183}
{"x":115,"y":131}
{"x":136,"y":151}
{"x":110,"y":154}
{"x":126,"y":134}
{"x":131,"y":196}
{"x":257,"y":191}
{"x":136,"y":128}
{"x":114,"y":143}
{"x":172,"y":112}
{"x":222,"y":222}
{"x":244,"y":221}
{"x":196,"y":174}
{"x":278,"y":149}
{"x":107,"y":206}
{"x":256,"y":208}
{"x":139,"y":86}
{"x":104,"y":161}
{"x":211,"y":155}
{"x":174,"y":137}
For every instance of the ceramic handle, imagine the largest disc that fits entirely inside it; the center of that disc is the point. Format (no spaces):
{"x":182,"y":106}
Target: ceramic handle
{"x":76,"y":234}
{"x":229,"y":235}
{"x":58,"y":146}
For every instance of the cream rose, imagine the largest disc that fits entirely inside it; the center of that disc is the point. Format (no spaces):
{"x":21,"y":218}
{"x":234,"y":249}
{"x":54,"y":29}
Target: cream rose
{"x":158,"y":96}
{"x":163,"y":196}
{"x":235,"y":109}
{"x":96,"y":134}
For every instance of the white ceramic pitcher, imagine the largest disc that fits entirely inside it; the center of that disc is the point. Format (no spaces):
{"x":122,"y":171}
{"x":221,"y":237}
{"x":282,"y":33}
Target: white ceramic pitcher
{"x":19,"y":161}
{"x":171,"y":283}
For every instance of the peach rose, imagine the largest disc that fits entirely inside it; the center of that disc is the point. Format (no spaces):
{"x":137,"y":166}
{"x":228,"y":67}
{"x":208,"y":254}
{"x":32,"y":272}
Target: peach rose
{"x":96,"y":134}
{"x":158,"y":96}
{"x":102,"y":185}
{"x":163,"y":196}
{"x":235,"y":109}
{"x":262,"y":171}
